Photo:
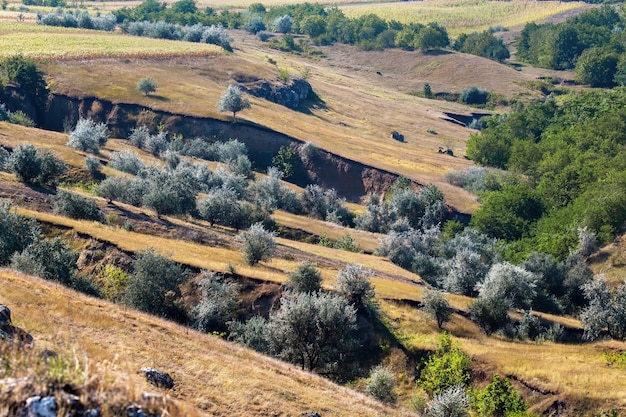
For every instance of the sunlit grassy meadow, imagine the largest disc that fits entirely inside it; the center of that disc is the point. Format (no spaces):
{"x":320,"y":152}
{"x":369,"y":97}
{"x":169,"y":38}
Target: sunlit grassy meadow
{"x":463,"y":16}
{"x":48,"y":42}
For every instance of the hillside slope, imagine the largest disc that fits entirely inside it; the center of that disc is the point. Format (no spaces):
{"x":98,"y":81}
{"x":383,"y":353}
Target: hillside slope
{"x":212,"y":377}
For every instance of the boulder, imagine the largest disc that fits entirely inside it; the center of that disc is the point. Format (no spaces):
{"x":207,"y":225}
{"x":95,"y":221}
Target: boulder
{"x":158,"y":378}
{"x":39,"y":407}
{"x":5,"y":314}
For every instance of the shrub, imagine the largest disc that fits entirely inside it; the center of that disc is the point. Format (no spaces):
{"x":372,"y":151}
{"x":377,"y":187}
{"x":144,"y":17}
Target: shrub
{"x":381,"y":384}
{"x":217,"y":304}
{"x":283,"y":24}
{"x":156,"y":144}
{"x":139,"y":136}
{"x":257,"y":244}
{"x":20,"y":118}
{"x":34,"y":166}
{"x":511,"y":283}
{"x":77,"y":207}
{"x":490,"y":314}
{"x":313,"y":330}
{"x":126,"y":190}
{"x":606,"y":309}
{"x":446,"y":368}
{"x":219,"y":36}
{"x":49,"y":259}
{"x":463,"y":272}
{"x":154,"y":285}
{"x":93,"y":165}
{"x":530,"y":327}
{"x":474,"y":95}
{"x":498,"y":399}
{"x":452,"y":402}
{"x":348,"y":243}
{"x":353,"y":284}
{"x":435,"y":305}
{"x":306,"y":278}
{"x":4,"y":158}
{"x":263,"y":36}
{"x":16,"y":232}
{"x":88,"y":136}
{"x":126,"y":161}
{"x":254,"y":24}
{"x":147,"y":85}
{"x":115,"y":282}
{"x":219,"y":207}
{"x":252,"y":334}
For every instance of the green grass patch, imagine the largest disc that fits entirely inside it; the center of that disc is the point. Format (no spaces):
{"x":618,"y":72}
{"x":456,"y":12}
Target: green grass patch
{"x":47,"y":42}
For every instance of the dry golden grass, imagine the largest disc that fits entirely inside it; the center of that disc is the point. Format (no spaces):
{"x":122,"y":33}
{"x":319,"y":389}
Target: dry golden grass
{"x":366,"y":240}
{"x":212,"y":377}
{"x":577,"y":372}
{"x":36,"y":41}
{"x":351,"y":125}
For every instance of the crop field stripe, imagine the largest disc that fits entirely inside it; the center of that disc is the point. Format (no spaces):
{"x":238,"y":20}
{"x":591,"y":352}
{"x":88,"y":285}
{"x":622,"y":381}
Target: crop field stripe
{"x":63,"y":43}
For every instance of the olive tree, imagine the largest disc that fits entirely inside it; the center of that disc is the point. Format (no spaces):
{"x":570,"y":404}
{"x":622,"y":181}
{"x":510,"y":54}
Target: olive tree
{"x":217,"y":304}
{"x":257,"y":244}
{"x":313,"y":330}
{"x":381,"y":384}
{"x":436,"y":306}
{"x":233,"y":101}
{"x":509,"y":282}
{"x":88,"y":136}
{"x":154,"y":285}
{"x":306,"y":278}
{"x":452,"y":402}
{"x":606,"y":309}
{"x":354,"y":285}
{"x":147,"y":85}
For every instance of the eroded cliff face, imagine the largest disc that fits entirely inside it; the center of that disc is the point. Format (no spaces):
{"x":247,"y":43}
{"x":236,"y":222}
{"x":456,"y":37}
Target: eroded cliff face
{"x":351,"y":179}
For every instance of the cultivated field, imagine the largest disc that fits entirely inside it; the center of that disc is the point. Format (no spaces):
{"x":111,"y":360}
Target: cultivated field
{"x":463,"y":16}
{"x":48,"y":42}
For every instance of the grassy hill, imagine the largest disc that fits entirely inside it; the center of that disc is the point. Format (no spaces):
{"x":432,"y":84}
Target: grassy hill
{"x":212,"y":377}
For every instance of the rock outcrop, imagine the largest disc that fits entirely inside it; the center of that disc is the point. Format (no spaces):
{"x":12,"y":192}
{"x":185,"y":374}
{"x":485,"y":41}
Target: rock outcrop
{"x":158,"y":378}
{"x":288,"y":95}
{"x":10,"y":332}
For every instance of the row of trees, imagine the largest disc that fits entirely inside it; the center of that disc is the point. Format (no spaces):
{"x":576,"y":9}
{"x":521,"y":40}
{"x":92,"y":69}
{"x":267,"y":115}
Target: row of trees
{"x":591,"y":42}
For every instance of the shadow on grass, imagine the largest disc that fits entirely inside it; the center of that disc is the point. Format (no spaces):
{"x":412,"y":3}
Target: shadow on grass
{"x":313,"y":102}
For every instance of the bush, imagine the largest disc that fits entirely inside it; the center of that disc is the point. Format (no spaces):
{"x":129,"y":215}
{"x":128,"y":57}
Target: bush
{"x":435,"y":305}
{"x":446,"y":368}
{"x":306,"y":278}
{"x":498,"y":399}
{"x":607,"y":309}
{"x":490,"y":314}
{"x":49,"y":259}
{"x":381,"y":384}
{"x":16,"y":232}
{"x":20,"y":118}
{"x":77,"y":207}
{"x":254,"y":24}
{"x":252,"y":334}
{"x":154,"y":285}
{"x":474,"y":95}
{"x":283,"y":24}
{"x":511,"y":283}
{"x":93,"y":165}
{"x":313,"y":330}
{"x":219,"y":36}
{"x":452,"y":402}
{"x":139,"y":136}
{"x":88,"y":136}
{"x":353,"y":284}
{"x":34,"y":166}
{"x":530,"y":327}
{"x":126,"y":161}
{"x":218,"y":303}
{"x":263,"y":36}
{"x":257,"y":244}
{"x":147,"y":85}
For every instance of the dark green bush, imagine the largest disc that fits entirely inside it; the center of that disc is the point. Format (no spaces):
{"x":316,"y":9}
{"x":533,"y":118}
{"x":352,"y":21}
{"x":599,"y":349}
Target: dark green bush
{"x":77,"y":207}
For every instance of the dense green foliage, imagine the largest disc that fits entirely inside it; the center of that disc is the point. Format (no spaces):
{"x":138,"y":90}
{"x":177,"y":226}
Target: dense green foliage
{"x":571,"y":163}
{"x":24,"y":73}
{"x":498,"y":399}
{"x":446,"y":368}
{"x":154,"y":285}
{"x":592,"y":42}
{"x":482,"y":44}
